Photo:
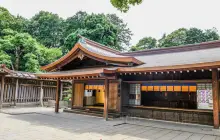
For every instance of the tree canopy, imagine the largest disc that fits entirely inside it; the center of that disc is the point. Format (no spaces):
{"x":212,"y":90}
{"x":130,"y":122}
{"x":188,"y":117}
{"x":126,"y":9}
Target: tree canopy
{"x":109,"y":30}
{"x":145,"y":43}
{"x":178,"y":37}
{"x":22,"y":52}
{"x":124,"y":5}
{"x":47,"y":28}
{"x":27,"y":44}
{"x":185,"y":36}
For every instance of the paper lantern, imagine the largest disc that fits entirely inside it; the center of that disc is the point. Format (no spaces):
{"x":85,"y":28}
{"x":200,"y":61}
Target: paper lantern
{"x":143,"y":88}
{"x":169,"y":88}
{"x":192,"y":88}
{"x":90,"y":87}
{"x":150,"y":88}
{"x":185,"y":88}
{"x":156,"y":88}
{"x":177,"y":88}
{"x":95,"y":87}
{"x":163,"y":88}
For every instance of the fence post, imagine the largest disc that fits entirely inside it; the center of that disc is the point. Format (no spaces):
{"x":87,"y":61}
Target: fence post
{"x":2,"y":90}
{"x":16,"y":92}
{"x":41,"y":94}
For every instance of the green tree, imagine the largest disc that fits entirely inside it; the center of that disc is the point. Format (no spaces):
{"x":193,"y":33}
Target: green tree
{"x":6,"y":19}
{"x":145,"y":43}
{"x":211,"y":34}
{"x":48,"y":55}
{"x":72,"y":39}
{"x":109,"y":30}
{"x":194,"y":35}
{"x":184,"y":36}
{"x":176,"y":38}
{"x":47,"y":28}
{"x":24,"y":52}
{"x":5,"y":59}
{"x":123,"y":5}
{"x":72,"y":24}
{"x":124,"y":33}
{"x":21,"y":24}
{"x":97,"y":28}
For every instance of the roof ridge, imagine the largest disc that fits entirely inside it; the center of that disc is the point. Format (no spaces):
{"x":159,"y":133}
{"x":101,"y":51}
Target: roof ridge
{"x":99,"y":45}
{"x":187,"y":47}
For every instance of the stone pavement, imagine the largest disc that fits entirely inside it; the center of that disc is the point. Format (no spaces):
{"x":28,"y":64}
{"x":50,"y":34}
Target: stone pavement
{"x":44,"y":124}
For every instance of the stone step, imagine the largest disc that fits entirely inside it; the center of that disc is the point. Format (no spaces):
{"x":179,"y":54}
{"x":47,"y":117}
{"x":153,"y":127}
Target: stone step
{"x":91,"y":112}
{"x":95,"y":109}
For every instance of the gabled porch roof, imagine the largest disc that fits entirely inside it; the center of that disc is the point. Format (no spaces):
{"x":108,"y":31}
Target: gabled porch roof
{"x":96,"y":51}
{"x":89,"y":73}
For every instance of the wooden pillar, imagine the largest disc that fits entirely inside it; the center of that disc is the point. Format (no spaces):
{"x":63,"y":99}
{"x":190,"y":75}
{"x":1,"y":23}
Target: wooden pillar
{"x":16,"y":92}
{"x":61,"y":92}
{"x":73,"y":90}
{"x":57,"y":96}
{"x":2,"y":89}
{"x":120,"y":96}
{"x":215,"y":92}
{"x":105,"y":113}
{"x":41,"y":94}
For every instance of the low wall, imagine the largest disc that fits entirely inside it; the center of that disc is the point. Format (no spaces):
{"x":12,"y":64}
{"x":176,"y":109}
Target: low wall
{"x":177,"y":115}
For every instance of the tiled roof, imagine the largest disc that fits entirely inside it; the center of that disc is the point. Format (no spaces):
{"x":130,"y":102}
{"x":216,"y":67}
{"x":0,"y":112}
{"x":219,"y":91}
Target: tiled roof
{"x":72,"y":73}
{"x":99,"y":51}
{"x":180,"y":58}
{"x":95,"y":50}
{"x":16,"y":74}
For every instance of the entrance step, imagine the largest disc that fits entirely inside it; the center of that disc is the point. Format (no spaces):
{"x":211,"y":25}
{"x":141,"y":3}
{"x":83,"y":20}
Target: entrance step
{"x":92,"y":112}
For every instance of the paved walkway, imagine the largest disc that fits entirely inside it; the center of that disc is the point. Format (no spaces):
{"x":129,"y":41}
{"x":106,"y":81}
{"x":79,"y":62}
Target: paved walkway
{"x":44,"y":124}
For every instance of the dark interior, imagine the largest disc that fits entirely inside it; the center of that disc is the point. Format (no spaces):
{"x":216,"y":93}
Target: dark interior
{"x":86,"y":62}
{"x":169,"y":99}
{"x":191,"y":75}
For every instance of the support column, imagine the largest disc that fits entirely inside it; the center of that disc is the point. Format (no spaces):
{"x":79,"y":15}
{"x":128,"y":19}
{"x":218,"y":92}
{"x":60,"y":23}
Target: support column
{"x":57,"y":96}
{"x":16,"y":92}
{"x":41,"y":94}
{"x":120,"y":96}
{"x":61,"y":92}
{"x":105,"y":113}
{"x":73,"y":90}
{"x":2,"y":90}
{"x":215,"y":92}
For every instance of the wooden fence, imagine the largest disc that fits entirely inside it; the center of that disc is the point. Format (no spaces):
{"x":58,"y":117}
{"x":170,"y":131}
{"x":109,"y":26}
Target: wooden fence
{"x":20,"y":91}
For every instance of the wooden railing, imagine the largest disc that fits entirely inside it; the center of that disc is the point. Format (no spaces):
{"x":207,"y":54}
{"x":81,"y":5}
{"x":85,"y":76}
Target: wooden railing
{"x":17,"y":91}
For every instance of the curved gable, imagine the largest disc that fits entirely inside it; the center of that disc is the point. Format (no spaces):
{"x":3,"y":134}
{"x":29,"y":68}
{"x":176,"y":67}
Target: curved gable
{"x":82,"y":49}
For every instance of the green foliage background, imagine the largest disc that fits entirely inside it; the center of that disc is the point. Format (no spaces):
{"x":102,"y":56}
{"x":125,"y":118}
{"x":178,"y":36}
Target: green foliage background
{"x":27,"y":44}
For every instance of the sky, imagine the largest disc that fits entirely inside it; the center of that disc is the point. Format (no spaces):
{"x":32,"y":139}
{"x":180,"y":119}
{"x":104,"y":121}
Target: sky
{"x":151,"y":18}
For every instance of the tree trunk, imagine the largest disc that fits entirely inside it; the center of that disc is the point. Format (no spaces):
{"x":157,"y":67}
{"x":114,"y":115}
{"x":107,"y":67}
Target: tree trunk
{"x":17,"y":59}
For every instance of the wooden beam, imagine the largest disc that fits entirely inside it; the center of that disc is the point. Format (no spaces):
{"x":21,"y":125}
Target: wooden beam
{"x":16,"y":92}
{"x":172,"y":81}
{"x":105,"y":113}
{"x":72,"y":98}
{"x":57,"y":96}
{"x":215,"y":92}
{"x":184,"y":67}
